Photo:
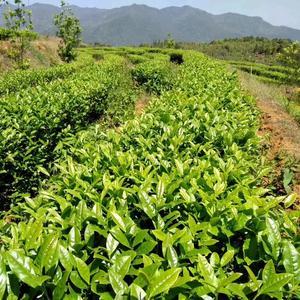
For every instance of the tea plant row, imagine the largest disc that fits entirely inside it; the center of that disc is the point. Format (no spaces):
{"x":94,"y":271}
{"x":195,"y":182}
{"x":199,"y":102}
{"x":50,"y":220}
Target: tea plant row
{"x":168,"y":206}
{"x":18,"y":80}
{"x":34,"y":121}
{"x":272,"y":74}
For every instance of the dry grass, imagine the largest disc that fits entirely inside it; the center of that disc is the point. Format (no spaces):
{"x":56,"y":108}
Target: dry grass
{"x":41,"y":53}
{"x":141,"y":104}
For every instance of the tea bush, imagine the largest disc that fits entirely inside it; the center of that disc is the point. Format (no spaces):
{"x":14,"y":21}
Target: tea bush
{"x":34,"y":121}
{"x":169,"y":206}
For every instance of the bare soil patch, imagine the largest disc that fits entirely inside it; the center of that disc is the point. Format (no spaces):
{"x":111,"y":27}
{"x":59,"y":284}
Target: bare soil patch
{"x":141,"y":104}
{"x":41,"y":53}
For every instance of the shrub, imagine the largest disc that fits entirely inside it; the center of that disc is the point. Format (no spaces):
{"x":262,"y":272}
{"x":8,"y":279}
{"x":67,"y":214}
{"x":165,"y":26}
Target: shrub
{"x":98,"y":56}
{"x":154,"y":76}
{"x":137,"y":59}
{"x":176,"y":58}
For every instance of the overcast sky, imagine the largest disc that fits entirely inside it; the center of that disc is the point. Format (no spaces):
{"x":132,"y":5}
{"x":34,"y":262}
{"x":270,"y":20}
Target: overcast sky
{"x":277,"y":12}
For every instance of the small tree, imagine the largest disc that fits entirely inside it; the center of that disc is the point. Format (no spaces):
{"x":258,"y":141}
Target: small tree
{"x":18,"y":20}
{"x":290,"y":57}
{"x":170,"y":42}
{"x":69,"y":32}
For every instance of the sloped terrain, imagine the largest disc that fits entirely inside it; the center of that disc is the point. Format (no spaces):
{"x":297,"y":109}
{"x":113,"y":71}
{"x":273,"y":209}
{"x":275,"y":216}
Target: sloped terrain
{"x":41,"y":53}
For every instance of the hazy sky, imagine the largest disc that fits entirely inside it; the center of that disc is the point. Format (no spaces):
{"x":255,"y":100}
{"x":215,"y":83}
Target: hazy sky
{"x":277,"y":12}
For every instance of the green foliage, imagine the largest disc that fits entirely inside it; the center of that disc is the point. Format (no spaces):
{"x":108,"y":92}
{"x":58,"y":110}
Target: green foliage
{"x":169,"y":206}
{"x":291,"y":58}
{"x":19,"y":17}
{"x":176,"y":58}
{"x":31,"y":78}
{"x":34,"y":121}
{"x":273,"y":74}
{"x":137,"y":59}
{"x":154,"y":76}
{"x":8,"y":34}
{"x":253,"y":49}
{"x":170,"y":42}
{"x":98,"y":56}
{"x":69,"y":31}
{"x":19,"y":25}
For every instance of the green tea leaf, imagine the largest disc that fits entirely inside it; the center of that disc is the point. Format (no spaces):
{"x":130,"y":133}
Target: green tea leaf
{"x":291,"y":260}
{"x":207,"y":271}
{"x":83,"y":269}
{"x":172,"y":257}
{"x":23,"y":268}
{"x":163,"y":282}
{"x":118,"y":220}
{"x":117,"y":283}
{"x":76,"y":279}
{"x":275,"y":283}
{"x":136,"y":292}
{"x":227,"y":257}
{"x":268,"y":272}
{"x":61,"y":287}
{"x":253,"y":278}
{"x":43,"y":170}
{"x":122,"y":265}
{"x":146,"y":247}
{"x":49,"y":252}
{"x":290,"y":200}
{"x":66,"y":258}
{"x":111,"y":244}
{"x":160,"y":188}
{"x":3,"y":277}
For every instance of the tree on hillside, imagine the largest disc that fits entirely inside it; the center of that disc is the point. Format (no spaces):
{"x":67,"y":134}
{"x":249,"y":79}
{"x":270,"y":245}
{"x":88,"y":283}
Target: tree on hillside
{"x":18,"y":20}
{"x":69,"y":31}
{"x":170,"y":41}
{"x":290,"y":57}
{"x":19,"y":17}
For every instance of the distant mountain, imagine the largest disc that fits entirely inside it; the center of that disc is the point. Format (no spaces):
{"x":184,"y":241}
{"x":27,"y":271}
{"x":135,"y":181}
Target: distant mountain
{"x":137,"y":24}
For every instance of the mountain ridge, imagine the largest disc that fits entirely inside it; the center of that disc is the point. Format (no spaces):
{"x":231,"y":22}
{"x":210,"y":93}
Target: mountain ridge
{"x":136,"y":24}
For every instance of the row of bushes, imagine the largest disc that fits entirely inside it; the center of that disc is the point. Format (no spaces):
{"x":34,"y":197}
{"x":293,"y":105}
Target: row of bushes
{"x":277,"y":76}
{"x":35,"y":120}
{"x":275,"y":68}
{"x":271,"y":74}
{"x":155,"y":76}
{"x":169,"y":206}
{"x":16,"y":81}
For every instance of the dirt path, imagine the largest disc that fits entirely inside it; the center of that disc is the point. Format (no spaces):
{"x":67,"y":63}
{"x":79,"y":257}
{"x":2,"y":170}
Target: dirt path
{"x":283,"y":131}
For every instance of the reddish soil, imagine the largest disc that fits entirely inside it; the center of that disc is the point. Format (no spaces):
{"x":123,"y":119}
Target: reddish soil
{"x":282,"y":132}
{"x":284,"y":137}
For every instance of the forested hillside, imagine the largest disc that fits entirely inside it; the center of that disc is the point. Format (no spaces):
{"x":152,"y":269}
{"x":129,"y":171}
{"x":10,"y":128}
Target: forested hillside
{"x":142,"y":24}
